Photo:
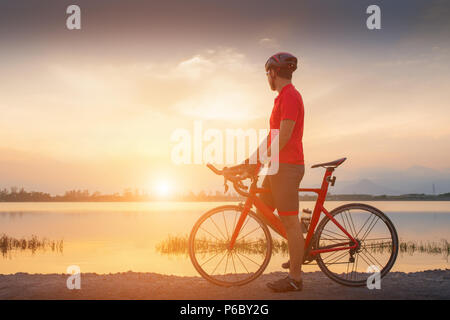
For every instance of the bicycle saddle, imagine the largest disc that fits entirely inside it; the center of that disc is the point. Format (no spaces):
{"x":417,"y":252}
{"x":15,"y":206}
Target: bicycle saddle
{"x":331,"y":164}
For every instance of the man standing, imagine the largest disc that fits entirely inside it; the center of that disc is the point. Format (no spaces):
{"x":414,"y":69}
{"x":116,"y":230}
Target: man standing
{"x":287,"y":117}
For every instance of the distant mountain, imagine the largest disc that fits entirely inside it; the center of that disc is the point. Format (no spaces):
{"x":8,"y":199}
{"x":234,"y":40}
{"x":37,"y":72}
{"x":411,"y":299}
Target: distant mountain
{"x":378,"y":181}
{"x":364,"y":186}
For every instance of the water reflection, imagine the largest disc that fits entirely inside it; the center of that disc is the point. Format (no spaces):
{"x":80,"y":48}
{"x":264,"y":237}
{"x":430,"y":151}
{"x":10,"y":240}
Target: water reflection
{"x":179,"y":246}
{"x":32,"y":244}
{"x":117,"y":237}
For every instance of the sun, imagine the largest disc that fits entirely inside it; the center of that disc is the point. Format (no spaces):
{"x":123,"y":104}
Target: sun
{"x":162,"y":188}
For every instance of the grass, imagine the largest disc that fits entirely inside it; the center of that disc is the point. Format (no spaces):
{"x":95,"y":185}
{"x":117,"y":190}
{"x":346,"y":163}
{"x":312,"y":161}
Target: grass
{"x":178,"y":245}
{"x":33,"y":244}
{"x":410,"y":247}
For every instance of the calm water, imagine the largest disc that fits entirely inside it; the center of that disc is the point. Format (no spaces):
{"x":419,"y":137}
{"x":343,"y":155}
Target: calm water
{"x":117,"y":237}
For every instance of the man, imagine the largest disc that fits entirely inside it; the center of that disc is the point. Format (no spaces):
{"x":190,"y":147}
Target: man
{"x":287,"y":117}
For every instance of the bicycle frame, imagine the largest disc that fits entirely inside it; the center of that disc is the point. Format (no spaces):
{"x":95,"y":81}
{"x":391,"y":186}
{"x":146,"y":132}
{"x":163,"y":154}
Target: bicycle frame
{"x":276,"y":223}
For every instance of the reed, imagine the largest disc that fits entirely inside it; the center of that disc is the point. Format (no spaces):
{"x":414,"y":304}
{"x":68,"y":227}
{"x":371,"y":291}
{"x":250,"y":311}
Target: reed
{"x":178,"y":245}
{"x":33,"y":244}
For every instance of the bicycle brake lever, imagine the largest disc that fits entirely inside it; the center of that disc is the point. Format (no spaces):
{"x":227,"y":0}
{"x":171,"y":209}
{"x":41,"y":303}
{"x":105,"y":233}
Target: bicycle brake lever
{"x":225,"y":184}
{"x":241,"y":185}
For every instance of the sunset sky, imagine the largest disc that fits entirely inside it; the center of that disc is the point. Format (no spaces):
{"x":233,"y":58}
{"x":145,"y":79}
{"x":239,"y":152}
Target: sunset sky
{"x":95,"y":108}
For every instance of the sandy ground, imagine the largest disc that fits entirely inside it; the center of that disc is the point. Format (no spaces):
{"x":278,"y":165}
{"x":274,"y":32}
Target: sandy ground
{"x":432,"y":284}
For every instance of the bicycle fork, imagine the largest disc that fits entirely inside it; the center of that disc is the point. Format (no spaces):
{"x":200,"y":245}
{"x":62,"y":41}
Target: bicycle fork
{"x":247,"y":206}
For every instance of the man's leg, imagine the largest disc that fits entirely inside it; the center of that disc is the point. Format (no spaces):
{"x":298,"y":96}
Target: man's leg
{"x":296,"y":244}
{"x":285,"y":186}
{"x":267,"y":198}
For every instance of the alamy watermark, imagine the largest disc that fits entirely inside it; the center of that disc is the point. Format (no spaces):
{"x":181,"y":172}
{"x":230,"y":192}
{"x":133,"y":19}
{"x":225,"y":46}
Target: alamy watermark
{"x":74,"y":280}
{"x":227,"y":146}
{"x":73,"y":22}
{"x":373,"y":22}
{"x":374,"y":280}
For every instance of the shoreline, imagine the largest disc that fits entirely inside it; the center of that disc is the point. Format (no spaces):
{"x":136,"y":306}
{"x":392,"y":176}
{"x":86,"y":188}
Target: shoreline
{"x":430,"y":284}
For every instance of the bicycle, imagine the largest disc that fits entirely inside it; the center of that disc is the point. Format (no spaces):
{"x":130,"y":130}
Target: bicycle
{"x":337,"y":243}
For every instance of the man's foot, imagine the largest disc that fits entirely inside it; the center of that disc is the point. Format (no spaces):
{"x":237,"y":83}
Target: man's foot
{"x":286,"y":284}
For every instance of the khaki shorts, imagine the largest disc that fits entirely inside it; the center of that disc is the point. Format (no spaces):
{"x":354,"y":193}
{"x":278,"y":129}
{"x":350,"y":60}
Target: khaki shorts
{"x":283,"y":186}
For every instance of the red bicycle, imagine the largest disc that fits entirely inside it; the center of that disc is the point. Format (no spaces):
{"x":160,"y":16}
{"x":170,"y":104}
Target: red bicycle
{"x":231,"y":245}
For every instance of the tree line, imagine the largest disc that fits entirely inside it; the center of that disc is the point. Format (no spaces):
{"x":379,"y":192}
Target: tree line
{"x":15,"y":194}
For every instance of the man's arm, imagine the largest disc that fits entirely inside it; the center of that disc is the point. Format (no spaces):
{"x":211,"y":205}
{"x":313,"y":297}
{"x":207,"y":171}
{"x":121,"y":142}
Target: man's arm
{"x":285,"y":133}
{"x":286,"y":129}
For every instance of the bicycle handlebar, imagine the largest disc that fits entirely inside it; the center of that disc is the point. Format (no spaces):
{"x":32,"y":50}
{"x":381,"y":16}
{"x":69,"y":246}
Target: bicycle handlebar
{"x":214,"y":169}
{"x":232,"y":174}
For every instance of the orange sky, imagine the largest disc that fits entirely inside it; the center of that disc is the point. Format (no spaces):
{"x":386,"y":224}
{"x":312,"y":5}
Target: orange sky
{"x":80,"y":111}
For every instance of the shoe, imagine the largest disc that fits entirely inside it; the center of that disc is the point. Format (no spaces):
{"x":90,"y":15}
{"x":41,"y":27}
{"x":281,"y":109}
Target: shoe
{"x":286,"y":284}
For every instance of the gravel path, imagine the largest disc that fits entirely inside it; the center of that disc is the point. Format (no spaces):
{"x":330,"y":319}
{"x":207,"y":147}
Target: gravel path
{"x":432,"y":284}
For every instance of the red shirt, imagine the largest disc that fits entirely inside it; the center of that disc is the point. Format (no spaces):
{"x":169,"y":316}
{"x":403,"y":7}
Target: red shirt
{"x":289,"y":105}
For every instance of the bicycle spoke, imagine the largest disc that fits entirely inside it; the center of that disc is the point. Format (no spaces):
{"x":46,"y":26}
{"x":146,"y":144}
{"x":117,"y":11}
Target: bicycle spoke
{"x":368,"y":258}
{"x":234,"y":222}
{"x":209,"y":259}
{"x":348,"y":264}
{"x":234,"y":266}
{"x":379,"y":264}
{"x":334,"y":233}
{"x":210,"y":218}
{"x":369,"y":264}
{"x":210,"y":234}
{"x":338,"y":256}
{"x":353,"y":225}
{"x":345,"y":252}
{"x":242,"y":263}
{"x":368,"y":231}
{"x":258,"y":227}
{"x":355,"y":265}
{"x":212,"y":273}
{"x":336,"y":240}
{"x":332,"y":254}
{"x":226,"y":263}
{"x":370,"y":217}
{"x":225,"y":222}
{"x":344,"y":224}
{"x":248,"y":258}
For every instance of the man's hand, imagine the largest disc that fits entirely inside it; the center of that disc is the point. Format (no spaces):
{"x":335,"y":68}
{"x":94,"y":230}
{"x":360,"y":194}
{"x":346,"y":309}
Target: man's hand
{"x":250,"y":170}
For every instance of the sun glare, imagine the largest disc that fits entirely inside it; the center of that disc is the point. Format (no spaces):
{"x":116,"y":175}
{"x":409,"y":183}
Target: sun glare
{"x":162,"y":188}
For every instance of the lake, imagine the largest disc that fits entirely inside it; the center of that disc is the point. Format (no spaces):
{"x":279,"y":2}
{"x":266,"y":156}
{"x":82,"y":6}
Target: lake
{"x":118,"y":237}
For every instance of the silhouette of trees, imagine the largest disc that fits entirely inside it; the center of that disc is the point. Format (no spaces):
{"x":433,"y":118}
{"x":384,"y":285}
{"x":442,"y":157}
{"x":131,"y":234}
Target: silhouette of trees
{"x":15,"y":194}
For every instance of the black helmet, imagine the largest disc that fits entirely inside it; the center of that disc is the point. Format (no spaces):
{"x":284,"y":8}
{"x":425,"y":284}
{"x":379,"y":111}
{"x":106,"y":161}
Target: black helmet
{"x":282,"y":60}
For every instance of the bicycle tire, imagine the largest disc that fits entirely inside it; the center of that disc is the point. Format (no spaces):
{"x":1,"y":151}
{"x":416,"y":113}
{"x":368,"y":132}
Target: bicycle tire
{"x":364,"y":207}
{"x":205,"y":274}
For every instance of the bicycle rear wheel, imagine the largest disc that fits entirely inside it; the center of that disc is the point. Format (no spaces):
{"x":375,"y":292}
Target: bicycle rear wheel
{"x":377,"y":244}
{"x":209,"y":252}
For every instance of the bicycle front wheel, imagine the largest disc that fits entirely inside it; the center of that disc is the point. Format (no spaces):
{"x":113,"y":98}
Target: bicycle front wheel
{"x":377,"y":244}
{"x":215,"y":261}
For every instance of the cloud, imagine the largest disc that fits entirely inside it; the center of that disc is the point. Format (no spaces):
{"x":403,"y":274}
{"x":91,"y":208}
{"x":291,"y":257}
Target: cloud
{"x":269,"y":43}
{"x":223,"y":84}
{"x":195,"y":67}
{"x":220,"y":59}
